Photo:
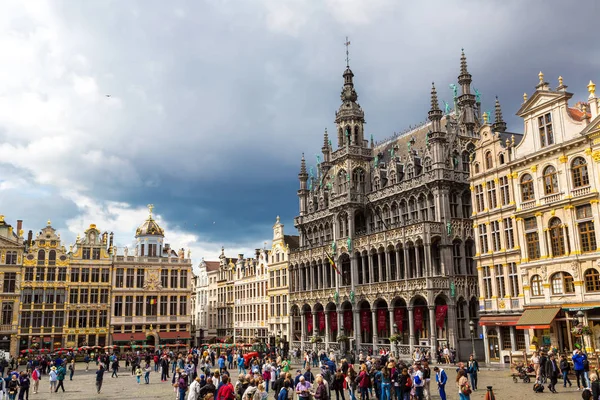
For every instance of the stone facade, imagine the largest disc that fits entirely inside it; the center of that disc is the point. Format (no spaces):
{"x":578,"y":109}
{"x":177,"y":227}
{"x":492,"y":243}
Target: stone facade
{"x":151,"y":291}
{"x":536,"y":213}
{"x":395,"y":218}
{"x":278,"y":289}
{"x":250,"y":298}
{"x":11,"y":259}
{"x":225,"y":302}
{"x":206,"y":281}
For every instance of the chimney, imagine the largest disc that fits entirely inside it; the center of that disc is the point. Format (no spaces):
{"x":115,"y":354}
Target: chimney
{"x":257,"y":253}
{"x":19,"y":226}
{"x":29,"y":237}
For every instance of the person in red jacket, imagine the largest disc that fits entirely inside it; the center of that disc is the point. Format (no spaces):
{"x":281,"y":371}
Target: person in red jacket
{"x":226,"y":392}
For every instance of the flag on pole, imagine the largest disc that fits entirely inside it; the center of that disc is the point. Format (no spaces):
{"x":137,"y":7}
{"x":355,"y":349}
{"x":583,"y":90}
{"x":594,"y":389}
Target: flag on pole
{"x":332,"y":263}
{"x":152,"y":301}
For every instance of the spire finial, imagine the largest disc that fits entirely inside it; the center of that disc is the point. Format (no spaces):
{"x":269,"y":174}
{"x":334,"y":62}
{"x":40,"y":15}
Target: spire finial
{"x":325,"y":139}
{"x":524,"y":97}
{"x":150,"y":208}
{"x":347,"y":43}
{"x":434,"y":99}
{"x":499,"y":124}
{"x":560,"y":81}
{"x":463,"y":63}
{"x":303,"y":165}
{"x":592,"y":89}
{"x":541,"y":76}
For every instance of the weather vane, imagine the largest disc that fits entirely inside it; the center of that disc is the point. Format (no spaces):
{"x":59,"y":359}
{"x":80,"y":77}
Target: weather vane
{"x":347,"y":43}
{"x":150,"y":208}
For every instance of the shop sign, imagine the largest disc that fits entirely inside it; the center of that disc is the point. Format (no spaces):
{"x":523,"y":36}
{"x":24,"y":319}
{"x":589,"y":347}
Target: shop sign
{"x":578,"y":308}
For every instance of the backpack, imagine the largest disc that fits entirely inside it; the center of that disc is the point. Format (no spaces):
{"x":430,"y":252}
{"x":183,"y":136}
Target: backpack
{"x":466,"y":389}
{"x":586,"y":394}
{"x":408,"y":382}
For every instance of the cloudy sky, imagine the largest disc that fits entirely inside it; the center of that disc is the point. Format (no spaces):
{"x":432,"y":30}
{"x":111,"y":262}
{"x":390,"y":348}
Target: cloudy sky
{"x":212,"y":102}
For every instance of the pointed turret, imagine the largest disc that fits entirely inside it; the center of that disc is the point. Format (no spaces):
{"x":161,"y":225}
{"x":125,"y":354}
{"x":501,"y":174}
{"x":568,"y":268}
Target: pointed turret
{"x":303,"y":192}
{"x":435,"y":114}
{"x":349,"y":118}
{"x":326,"y":149}
{"x":466,"y":101}
{"x":499,"y":124}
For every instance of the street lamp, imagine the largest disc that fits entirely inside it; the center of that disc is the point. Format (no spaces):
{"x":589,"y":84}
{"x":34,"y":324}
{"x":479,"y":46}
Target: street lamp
{"x":397,"y":350}
{"x":472,"y":330}
{"x":579,"y":315}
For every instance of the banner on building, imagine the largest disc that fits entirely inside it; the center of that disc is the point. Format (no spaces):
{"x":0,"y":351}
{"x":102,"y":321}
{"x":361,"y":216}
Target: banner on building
{"x":348,"y":321}
{"x":309,"y":325}
{"x":333,"y":320}
{"x":399,"y":318}
{"x":364,"y":321}
{"x":380,"y":320}
{"x":321,"y":318}
{"x":440,"y":315}
{"x":418,"y":318}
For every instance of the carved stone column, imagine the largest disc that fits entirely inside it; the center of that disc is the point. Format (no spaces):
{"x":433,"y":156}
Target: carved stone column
{"x":433,"y":329}
{"x":417,"y":263}
{"x":406,"y":263}
{"x":429,"y":271}
{"x":327,"y":331}
{"x":304,"y":329}
{"x":374,"y":328}
{"x":411,"y":329}
{"x":388,"y":265}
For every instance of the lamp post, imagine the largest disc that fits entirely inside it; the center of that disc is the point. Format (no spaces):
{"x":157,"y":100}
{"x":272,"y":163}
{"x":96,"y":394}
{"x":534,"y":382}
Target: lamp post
{"x":579,"y":317}
{"x":396,"y":331}
{"x":472,"y":330}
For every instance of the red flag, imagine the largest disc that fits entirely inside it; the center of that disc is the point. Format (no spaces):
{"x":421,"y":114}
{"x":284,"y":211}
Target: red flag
{"x":380,"y":320}
{"x":440,"y":315}
{"x":348,"y":321}
{"x":333,"y":320}
{"x":399,"y":318}
{"x":321,"y":317}
{"x":364,"y":320}
{"x":309,"y":327}
{"x":418,"y":317}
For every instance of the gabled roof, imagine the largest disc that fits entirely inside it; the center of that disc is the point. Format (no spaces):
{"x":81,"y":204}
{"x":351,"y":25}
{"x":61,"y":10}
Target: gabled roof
{"x":212,"y":265}
{"x":293,"y":241}
{"x":593,"y":126}
{"x":577,"y":114}
{"x":540,"y":97}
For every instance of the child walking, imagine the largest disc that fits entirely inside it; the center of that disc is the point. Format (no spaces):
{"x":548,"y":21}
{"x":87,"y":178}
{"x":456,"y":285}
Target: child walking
{"x":138,"y":373}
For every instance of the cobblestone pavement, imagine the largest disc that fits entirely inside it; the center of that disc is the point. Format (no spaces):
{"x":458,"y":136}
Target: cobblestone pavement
{"x":125,"y":387}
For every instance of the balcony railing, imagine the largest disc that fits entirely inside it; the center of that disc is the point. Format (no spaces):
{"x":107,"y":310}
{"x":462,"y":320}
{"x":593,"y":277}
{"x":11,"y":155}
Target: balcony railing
{"x":514,"y":304}
{"x":551,"y":198}
{"x":580,"y":191}
{"x":527,"y":205}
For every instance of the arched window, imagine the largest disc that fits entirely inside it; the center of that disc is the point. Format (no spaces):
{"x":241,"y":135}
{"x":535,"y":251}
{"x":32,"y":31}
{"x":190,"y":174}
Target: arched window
{"x":427,"y":164}
{"x":557,"y":237}
{"x":579,"y":172}
{"x":501,"y":159}
{"x":52,"y":257}
{"x":358,"y":180}
{"x":550,"y":180}
{"x":476,"y":167}
{"x":592,"y":280}
{"x":527,"y":188}
{"x":409,"y":171}
{"x":342,"y":182}
{"x":41,"y":258}
{"x":488,"y":160}
{"x":562,"y":283}
{"x":536,"y":285}
{"x":454,"y":205}
{"x":466,"y":160}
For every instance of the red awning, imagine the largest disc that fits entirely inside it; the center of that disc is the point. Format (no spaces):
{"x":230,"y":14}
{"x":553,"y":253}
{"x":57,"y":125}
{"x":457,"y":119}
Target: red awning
{"x":126,"y":337}
{"x":499,"y":320}
{"x":175,"y":335}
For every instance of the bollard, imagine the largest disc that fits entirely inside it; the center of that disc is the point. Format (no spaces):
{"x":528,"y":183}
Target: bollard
{"x":490,"y":394}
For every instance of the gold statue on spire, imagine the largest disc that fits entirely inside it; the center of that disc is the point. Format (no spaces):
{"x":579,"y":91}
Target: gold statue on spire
{"x":592,"y":89}
{"x":560,"y":81}
{"x":150,"y":208}
{"x":541,"y":76}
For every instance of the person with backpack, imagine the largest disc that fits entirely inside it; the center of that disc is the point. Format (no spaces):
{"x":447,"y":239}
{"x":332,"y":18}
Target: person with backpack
{"x":182,"y":385}
{"x":24,"y":384}
{"x":464,"y":391}
{"x":226,"y":392}
{"x":60,"y":377}
{"x":441,"y":379}
{"x":364,"y":381}
{"x":578,"y":365}
{"x":418,"y":382}
{"x":565,"y":367}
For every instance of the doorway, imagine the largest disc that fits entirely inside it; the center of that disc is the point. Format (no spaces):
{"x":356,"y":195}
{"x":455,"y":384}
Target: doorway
{"x":493,"y":346}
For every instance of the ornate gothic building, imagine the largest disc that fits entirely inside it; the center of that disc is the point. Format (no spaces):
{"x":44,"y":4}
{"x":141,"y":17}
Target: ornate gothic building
{"x":395,"y":218}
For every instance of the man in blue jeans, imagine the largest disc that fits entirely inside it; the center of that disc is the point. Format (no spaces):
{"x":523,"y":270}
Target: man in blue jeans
{"x":441,"y":379}
{"x":578,"y":360}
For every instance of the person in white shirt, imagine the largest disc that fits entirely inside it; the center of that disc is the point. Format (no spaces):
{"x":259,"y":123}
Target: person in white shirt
{"x":418,"y":382}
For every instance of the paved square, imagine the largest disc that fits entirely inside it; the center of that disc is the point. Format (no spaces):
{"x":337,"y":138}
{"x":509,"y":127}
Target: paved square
{"x":125,"y":387}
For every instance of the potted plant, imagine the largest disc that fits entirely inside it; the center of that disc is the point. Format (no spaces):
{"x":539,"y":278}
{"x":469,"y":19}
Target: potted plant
{"x":341,"y":338}
{"x":395,"y":338}
{"x":316,"y":339}
{"x":581,"y":330}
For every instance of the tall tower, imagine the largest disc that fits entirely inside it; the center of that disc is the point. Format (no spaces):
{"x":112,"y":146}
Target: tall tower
{"x":466,"y":101}
{"x":149,"y":237}
{"x":437,"y":137}
{"x":349,"y":118}
{"x":303,"y":192}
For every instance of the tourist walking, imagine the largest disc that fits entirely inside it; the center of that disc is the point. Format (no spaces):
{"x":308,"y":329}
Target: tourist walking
{"x":464,"y":391}
{"x":53,"y":379}
{"x":441,"y":379}
{"x":12,"y":387}
{"x":147,"y":370}
{"x":565,"y":367}
{"x":24,"y":384}
{"x":36,"y":375}
{"x":60,"y":376}
{"x":473,"y":369}
{"x":138,"y":373}
{"x":71,"y":368}
{"x":99,"y":378}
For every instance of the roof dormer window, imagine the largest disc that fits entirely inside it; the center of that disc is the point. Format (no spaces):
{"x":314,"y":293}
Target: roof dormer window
{"x":545,"y":128}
